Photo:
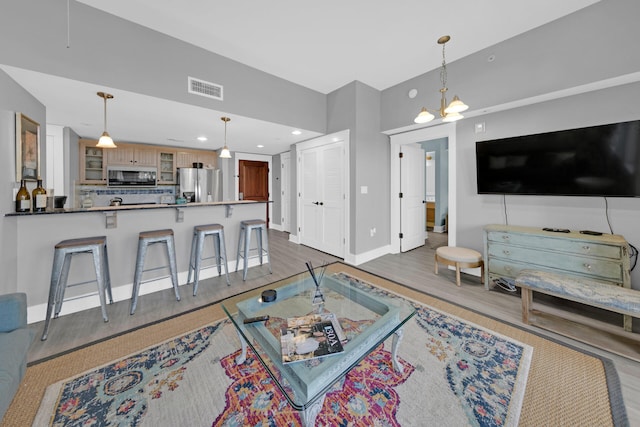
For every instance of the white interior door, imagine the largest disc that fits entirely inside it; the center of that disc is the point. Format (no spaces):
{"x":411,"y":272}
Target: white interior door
{"x":285,"y":187}
{"x":412,"y":202}
{"x":332,"y":201}
{"x":323,"y":198}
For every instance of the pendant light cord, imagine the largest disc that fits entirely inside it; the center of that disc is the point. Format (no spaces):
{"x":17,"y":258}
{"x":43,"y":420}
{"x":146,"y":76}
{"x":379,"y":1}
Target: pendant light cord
{"x":68,"y":25}
{"x":105,"y":113}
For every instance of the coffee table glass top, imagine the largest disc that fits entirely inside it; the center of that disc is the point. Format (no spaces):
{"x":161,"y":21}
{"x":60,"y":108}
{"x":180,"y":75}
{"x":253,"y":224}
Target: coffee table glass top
{"x":367,"y":315}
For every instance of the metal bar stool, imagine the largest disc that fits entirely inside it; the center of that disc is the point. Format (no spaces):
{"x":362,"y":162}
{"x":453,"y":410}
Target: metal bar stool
{"x":64,"y":251}
{"x":145,"y":239}
{"x":200,"y":232}
{"x":244,"y":243}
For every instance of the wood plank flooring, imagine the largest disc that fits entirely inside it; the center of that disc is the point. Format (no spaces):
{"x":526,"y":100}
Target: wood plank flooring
{"x":413,"y":269}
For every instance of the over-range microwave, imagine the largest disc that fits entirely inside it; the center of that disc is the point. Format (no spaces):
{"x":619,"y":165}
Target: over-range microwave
{"x":132,"y":176}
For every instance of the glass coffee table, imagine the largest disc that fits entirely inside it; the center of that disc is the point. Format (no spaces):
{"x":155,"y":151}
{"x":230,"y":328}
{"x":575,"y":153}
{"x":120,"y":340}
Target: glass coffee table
{"x":305,"y":383}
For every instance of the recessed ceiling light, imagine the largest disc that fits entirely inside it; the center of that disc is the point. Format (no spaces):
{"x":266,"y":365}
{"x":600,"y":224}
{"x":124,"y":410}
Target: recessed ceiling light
{"x":202,"y":138}
{"x":296,"y":132}
{"x":260,"y":146}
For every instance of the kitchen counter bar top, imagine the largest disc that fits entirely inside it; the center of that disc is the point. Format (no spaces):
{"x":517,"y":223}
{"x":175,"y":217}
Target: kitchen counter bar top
{"x":129,"y":207}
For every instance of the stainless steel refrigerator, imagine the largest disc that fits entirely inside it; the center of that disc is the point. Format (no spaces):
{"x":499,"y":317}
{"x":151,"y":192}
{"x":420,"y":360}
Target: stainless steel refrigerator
{"x":200,"y":185}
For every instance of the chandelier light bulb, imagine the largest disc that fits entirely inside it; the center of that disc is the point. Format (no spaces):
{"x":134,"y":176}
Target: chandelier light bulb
{"x":456,"y":106}
{"x":424,"y":116}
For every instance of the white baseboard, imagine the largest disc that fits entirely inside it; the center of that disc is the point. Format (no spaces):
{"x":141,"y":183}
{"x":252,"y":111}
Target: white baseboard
{"x":368,"y":256}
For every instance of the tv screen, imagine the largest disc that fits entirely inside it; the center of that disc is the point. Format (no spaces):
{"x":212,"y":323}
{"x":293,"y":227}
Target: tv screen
{"x":592,"y":161}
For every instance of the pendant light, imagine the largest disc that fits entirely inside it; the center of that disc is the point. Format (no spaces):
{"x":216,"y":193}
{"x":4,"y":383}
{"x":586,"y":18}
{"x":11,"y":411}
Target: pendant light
{"x":105,"y":140}
{"x":449,"y":113}
{"x":225,"y":153}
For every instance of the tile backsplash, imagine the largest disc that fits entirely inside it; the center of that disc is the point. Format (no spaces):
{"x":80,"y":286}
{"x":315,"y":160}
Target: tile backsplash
{"x":102,"y":196}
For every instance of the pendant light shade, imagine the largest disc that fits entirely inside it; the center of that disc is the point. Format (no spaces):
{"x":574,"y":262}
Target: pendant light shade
{"x":225,"y":153}
{"x":105,"y":140}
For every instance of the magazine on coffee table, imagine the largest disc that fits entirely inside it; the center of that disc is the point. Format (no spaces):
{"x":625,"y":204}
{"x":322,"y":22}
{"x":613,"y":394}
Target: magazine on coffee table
{"x":310,"y":337}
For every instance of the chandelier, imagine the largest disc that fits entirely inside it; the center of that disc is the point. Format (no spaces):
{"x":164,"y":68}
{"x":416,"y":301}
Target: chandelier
{"x":451,"y":112}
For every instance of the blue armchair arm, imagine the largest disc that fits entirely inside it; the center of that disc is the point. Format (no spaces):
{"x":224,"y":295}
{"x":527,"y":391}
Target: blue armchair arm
{"x":13,"y":311}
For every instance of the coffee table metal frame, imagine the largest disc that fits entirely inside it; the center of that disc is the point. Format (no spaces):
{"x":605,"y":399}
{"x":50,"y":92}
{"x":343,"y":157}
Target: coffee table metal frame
{"x":305,"y":385}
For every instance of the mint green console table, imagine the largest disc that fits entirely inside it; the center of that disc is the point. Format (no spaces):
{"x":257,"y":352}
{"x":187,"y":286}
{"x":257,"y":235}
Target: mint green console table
{"x":508,"y":249}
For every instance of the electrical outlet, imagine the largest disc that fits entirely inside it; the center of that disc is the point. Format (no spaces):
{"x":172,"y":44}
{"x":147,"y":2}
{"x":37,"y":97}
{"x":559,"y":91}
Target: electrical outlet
{"x":372,"y":231}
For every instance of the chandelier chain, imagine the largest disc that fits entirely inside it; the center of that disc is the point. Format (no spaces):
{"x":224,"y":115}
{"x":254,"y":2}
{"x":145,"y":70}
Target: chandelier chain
{"x":443,"y":71}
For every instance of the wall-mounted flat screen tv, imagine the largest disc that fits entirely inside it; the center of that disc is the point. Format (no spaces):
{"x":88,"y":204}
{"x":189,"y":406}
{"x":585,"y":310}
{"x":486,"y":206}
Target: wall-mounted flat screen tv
{"x":591,"y":161}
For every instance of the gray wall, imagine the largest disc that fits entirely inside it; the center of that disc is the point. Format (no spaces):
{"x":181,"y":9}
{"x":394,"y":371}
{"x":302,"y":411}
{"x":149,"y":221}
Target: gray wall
{"x":356,"y":106}
{"x":577,"y":213}
{"x":590,"y":45}
{"x":13,"y":99}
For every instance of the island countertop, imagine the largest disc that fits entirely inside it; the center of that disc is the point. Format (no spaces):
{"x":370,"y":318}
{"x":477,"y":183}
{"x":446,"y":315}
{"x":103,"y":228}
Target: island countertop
{"x":134,"y":207}
{"x":33,"y":236}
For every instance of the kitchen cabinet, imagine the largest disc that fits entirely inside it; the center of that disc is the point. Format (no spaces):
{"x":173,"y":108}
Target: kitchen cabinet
{"x":132,"y":155}
{"x":186,"y":158}
{"x":166,"y":167}
{"x":92,"y":163}
{"x":431,"y":214}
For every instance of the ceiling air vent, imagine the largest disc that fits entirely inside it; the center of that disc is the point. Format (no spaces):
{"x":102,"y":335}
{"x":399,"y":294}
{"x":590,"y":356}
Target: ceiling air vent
{"x":202,"y":88}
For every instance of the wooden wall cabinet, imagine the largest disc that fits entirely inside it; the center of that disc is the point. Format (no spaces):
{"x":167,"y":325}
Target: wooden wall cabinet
{"x":186,"y":158}
{"x":92,"y":163}
{"x":132,"y":155}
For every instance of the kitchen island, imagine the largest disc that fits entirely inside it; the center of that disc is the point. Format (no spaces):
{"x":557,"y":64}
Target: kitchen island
{"x":34,"y":236}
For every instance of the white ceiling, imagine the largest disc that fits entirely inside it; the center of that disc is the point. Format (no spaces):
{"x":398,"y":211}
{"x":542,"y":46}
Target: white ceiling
{"x":320,"y":45}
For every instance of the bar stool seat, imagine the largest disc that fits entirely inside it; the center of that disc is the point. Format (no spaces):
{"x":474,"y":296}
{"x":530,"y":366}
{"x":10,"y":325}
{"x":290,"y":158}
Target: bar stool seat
{"x":63,"y":253}
{"x":145,"y":239}
{"x":200,"y":232}
{"x":244,"y":243}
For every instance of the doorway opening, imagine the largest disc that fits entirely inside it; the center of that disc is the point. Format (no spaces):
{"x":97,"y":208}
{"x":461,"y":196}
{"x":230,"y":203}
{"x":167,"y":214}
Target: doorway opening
{"x":420,"y":136}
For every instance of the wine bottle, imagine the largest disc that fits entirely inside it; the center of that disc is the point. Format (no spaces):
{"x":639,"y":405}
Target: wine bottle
{"x":39,"y":197}
{"x":23,"y":200}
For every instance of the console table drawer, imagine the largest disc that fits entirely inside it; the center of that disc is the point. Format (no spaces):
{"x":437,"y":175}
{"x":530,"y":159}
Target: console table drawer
{"x":555,"y":243}
{"x":596,"y":267}
{"x":509,"y":269}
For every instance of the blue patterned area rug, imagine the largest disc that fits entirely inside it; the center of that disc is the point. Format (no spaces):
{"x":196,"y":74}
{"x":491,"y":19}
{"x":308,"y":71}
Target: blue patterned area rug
{"x":456,"y":374}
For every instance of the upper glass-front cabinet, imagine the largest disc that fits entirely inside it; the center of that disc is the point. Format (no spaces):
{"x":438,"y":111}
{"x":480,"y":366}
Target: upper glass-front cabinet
{"x":92,"y":164}
{"x":166,"y":167}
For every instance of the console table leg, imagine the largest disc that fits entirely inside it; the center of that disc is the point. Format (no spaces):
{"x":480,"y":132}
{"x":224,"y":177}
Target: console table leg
{"x":309,"y":415}
{"x":397,"y":337}
{"x":242,"y":356}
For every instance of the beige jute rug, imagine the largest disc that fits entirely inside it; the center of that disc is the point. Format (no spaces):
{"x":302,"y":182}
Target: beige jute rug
{"x":566,"y":387}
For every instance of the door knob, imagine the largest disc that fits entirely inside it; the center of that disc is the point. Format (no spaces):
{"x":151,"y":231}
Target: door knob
{"x":321,"y":204}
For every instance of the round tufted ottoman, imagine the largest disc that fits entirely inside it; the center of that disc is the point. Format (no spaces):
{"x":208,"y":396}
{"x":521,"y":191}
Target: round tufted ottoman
{"x":459,"y":258}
